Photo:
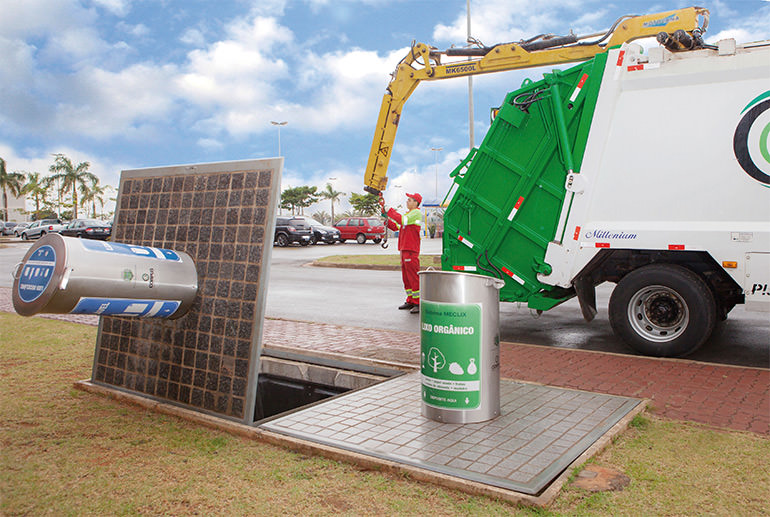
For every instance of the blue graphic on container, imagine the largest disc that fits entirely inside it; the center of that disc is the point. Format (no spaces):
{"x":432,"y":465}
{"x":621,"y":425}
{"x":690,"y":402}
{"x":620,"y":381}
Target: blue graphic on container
{"x":37,"y":273}
{"x":126,"y":307}
{"x":130,"y":249}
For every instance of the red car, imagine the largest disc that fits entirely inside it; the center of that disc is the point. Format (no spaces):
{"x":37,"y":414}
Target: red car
{"x":361,"y":229}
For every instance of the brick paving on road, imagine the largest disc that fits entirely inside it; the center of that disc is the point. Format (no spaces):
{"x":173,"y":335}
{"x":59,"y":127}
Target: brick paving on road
{"x":723,"y":396}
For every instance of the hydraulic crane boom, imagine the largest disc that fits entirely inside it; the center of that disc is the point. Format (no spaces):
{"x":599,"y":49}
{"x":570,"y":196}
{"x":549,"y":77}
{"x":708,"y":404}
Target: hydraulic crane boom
{"x":678,"y":29}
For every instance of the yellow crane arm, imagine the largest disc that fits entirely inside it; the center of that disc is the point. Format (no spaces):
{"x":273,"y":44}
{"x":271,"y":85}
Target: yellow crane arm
{"x":423,"y":63}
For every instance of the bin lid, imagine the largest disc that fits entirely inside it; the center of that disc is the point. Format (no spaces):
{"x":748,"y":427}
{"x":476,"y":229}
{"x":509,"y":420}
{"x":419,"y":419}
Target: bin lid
{"x":37,"y":278}
{"x":490,"y":281}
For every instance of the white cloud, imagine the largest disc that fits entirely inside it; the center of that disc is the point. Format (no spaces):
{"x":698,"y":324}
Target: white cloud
{"x":116,"y":7}
{"x":193,"y":37}
{"x":754,"y":28}
{"x":498,"y":21}
{"x":138,"y":30}
{"x":104,"y":104}
{"x":346,"y":87}
{"x":43,"y":17}
{"x":236,"y":78}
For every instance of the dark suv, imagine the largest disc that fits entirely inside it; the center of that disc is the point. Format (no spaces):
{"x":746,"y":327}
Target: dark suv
{"x":292,"y":229}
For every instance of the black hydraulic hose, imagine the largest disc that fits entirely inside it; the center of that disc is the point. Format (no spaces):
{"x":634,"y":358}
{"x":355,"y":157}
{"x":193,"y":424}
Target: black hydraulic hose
{"x":525,"y":100}
{"x":609,"y":31}
{"x":471,"y":52}
{"x":559,"y":41}
{"x":495,"y":271}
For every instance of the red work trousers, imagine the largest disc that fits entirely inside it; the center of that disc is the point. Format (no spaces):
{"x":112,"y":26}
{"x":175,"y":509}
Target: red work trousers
{"x":410,"y":265}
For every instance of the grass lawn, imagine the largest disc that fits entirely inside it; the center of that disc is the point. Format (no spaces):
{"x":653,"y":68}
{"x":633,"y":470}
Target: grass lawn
{"x":68,"y":452}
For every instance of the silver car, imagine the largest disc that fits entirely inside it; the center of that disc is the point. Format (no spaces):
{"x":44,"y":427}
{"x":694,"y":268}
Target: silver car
{"x":8,"y":226}
{"x":40,"y":228}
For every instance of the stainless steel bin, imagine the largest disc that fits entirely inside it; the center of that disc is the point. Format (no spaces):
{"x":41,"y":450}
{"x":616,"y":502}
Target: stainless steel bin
{"x":82,"y":276}
{"x":460,"y":346}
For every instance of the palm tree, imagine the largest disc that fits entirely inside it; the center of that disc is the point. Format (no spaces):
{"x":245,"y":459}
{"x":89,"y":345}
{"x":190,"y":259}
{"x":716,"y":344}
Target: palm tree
{"x":37,"y":187}
{"x":331,"y":194}
{"x":322,"y":217}
{"x":10,"y":181}
{"x":93,"y":194}
{"x":72,"y":176}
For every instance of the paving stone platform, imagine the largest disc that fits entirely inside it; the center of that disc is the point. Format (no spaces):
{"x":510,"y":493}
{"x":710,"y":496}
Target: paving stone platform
{"x":540,"y":432}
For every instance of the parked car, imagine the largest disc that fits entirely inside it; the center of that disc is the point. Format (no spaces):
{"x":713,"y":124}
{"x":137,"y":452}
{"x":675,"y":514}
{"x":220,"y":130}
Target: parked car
{"x":40,"y":228}
{"x":8,"y":227}
{"x":87,"y":229}
{"x":321,"y":232}
{"x":361,"y":229}
{"x":292,"y":229}
{"x":19,"y":228}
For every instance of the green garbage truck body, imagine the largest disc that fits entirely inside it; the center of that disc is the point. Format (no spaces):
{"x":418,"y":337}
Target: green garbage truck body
{"x":649,"y":170}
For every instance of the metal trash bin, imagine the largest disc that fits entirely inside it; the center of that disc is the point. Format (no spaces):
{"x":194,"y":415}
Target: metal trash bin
{"x":63,"y":275}
{"x":460,"y":346}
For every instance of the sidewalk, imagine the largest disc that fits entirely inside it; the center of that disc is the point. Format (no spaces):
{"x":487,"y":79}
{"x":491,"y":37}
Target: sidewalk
{"x":722,"y":396}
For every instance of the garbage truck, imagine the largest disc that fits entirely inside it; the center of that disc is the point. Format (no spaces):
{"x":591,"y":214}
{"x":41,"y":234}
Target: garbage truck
{"x":648,"y":169}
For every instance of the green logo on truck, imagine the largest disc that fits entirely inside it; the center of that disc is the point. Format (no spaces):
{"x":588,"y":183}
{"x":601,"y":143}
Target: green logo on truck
{"x":750,"y":141}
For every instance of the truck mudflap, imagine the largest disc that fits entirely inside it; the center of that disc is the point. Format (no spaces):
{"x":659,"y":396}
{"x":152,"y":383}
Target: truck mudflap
{"x":509,"y":194}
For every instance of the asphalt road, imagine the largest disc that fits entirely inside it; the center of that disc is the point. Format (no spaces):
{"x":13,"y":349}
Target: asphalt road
{"x":369,"y":299}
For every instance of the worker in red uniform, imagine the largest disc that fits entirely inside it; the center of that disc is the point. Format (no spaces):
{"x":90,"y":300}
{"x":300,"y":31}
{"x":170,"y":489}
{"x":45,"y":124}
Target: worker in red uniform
{"x":408,"y":226}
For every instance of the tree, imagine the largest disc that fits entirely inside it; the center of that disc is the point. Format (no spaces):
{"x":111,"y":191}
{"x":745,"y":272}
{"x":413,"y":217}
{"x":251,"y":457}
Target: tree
{"x":72,"y":176}
{"x":298,"y":198}
{"x":323,"y":218}
{"x":37,"y":188}
{"x":9,"y":182}
{"x":93,"y":194}
{"x":332,"y":195}
{"x":365,"y":204}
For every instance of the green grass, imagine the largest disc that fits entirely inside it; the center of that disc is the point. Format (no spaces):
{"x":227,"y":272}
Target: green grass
{"x":73,"y":453}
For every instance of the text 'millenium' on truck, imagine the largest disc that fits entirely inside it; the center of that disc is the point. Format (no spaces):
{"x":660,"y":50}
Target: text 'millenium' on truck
{"x":648,"y":170}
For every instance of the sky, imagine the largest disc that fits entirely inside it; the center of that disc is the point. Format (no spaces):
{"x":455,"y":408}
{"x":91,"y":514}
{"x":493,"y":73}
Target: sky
{"x":126,"y":84}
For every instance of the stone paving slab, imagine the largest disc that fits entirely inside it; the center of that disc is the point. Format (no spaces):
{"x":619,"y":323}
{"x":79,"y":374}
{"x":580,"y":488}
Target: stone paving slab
{"x":540,"y":432}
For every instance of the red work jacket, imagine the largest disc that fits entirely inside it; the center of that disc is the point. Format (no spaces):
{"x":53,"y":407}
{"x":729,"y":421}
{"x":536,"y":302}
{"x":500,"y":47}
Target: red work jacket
{"x":408,"y":226}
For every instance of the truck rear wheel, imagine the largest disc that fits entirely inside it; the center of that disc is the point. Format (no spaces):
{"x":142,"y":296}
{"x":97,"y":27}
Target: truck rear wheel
{"x":663,"y":310}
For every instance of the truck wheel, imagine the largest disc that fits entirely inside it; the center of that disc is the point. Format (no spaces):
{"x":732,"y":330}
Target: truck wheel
{"x":282,"y":240}
{"x":361,"y":238}
{"x":662,"y":310}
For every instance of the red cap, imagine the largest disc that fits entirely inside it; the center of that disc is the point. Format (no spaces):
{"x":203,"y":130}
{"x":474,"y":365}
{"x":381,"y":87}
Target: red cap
{"x":417,"y":197}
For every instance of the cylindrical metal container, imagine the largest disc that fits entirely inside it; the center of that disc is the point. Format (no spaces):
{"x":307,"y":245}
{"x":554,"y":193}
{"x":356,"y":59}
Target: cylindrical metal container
{"x":460,"y":345}
{"x":82,"y":276}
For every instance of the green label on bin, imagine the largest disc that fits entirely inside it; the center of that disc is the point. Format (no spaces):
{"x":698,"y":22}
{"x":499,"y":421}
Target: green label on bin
{"x":451,"y":346}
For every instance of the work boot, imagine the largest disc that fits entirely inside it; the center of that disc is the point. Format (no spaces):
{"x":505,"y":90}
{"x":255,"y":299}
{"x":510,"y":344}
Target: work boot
{"x":405,"y":306}
{"x":415,"y":309}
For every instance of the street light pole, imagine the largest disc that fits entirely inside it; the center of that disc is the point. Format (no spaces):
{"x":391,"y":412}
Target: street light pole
{"x":279,"y":124}
{"x":436,"y":150}
{"x":470,"y":86}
